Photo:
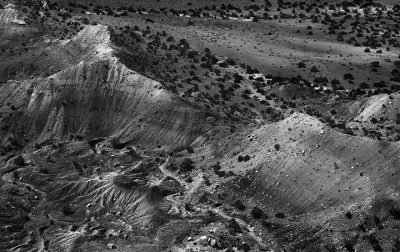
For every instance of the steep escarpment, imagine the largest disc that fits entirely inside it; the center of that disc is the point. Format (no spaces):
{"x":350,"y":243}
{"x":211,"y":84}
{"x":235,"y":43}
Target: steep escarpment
{"x":97,"y":96}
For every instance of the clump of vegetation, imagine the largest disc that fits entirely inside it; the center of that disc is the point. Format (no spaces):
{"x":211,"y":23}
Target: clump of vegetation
{"x":67,"y":210}
{"x":395,"y":212}
{"x":238,"y":204}
{"x":257,"y":212}
{"x":234,"y":226}
{"x":186,"y":165}
{"x":217,"y":170}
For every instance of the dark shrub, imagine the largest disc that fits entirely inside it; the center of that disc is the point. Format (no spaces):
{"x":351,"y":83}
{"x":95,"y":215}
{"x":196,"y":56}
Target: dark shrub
{"x":20,"y":161}
{"x":186,"y":165}
{"x":239,"y":205}
{"x":301,"y":65}
{"x":67,"y":211}
{"x":348,"y":76}
{"x":314,"y":69}
{"x":234,"y":226}
{"x":395,"y":212}
{"x":257,"y":213}
{"x":190,"y":149}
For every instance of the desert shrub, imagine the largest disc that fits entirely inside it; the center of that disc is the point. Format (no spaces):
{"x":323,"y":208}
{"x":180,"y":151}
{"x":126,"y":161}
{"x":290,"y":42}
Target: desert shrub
{"x":374,"y":242}
{"x":238,"y":204}
{"x":231,"y":62}
{"x":277,"y":146}
{"x":364,"y":85}
{"x":335,"y":82}
{"x":234,"y":226}
{"x":223,"y":64}
{"x":257,"y":213}
{"x":217,"y":170}
{"x":186,"y":165}
{"x":375,"y":64}
{"x":314,"y":69}
{"x":67,"y":210}
{"x":190,"y":149}
{"x":395,"y":212}
{"x":301,"y":65}
{"x":321,"y":80}
{"x":192,"y":54}
{"x":380,"y":84}
{"x":348,"y":76}
{"x":20,"y":161}
{"x":250,"y":70}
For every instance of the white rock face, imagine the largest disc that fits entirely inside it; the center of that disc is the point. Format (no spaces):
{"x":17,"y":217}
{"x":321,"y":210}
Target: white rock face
{"x":9,"y":15}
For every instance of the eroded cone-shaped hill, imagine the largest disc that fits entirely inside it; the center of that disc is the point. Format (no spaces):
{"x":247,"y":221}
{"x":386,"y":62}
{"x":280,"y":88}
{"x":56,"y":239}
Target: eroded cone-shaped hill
{"x":96,"y":96}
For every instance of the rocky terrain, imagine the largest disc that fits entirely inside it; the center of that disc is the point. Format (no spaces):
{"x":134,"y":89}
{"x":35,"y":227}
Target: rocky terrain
{"x":205,"y":125}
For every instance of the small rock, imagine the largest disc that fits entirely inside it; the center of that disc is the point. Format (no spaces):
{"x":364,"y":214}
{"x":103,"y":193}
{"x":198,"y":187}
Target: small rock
{"x":203,"y":240}
{"x":111,"y":246}
{"x":213,"y":242}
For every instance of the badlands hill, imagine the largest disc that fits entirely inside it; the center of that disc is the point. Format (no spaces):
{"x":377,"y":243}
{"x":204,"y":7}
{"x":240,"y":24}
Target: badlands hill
{"x":95,"y":95}
{"x":170,"y":126}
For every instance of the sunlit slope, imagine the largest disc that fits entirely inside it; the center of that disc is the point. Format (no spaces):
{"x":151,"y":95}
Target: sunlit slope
{"x":98,"y":96}
{"x":300,"y":165}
